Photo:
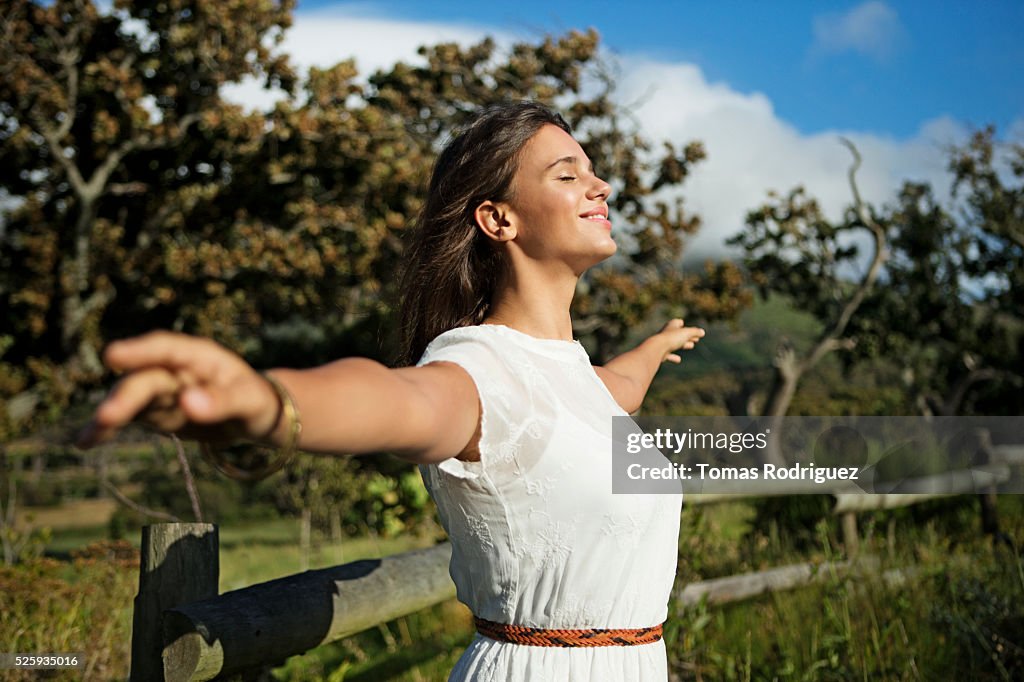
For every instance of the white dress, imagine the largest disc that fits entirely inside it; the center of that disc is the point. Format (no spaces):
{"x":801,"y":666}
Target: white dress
{"x":538,"y":538}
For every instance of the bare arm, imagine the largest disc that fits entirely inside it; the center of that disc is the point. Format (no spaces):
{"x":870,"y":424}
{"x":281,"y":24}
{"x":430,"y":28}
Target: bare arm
{"x":357,"y":405}
{"x":628,"y":376}
{"x":196,"y":388}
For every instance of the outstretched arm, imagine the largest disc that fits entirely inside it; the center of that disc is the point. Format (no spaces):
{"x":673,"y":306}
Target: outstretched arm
{"x":199,"y":389}
{"x":628,"y":376}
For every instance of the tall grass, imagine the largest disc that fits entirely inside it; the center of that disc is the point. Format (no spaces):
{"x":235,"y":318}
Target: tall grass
{"x":79,"y":606}
{"x":960,"y":616}
{"x":952,"y":607}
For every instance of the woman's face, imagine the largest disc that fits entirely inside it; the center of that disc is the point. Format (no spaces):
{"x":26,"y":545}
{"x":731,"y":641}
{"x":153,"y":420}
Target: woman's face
{"x":559,"y":207}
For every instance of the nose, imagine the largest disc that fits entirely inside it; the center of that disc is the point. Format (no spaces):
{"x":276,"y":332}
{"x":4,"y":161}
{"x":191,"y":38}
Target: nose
{"x":599,"y":190}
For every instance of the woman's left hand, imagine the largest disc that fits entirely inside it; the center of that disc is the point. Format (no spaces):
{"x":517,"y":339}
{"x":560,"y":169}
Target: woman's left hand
{"x":678,"y":336}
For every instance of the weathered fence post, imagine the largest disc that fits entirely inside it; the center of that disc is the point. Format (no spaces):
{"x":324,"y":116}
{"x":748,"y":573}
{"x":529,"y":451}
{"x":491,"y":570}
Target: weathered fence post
{"x":850,"y":539}
{"x":179,"y":565}
{"x":987,"y":498}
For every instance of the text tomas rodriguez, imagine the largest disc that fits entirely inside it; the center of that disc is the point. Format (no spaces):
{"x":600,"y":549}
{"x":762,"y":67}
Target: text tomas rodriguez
{"x":767,"y":472}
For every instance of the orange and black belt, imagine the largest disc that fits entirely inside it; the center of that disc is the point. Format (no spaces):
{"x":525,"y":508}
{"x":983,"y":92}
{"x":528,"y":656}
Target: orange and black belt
{"x":518,"y":634}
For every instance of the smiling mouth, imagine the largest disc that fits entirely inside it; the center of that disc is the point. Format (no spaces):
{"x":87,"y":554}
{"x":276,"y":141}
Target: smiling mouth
{"x":598,"y":218}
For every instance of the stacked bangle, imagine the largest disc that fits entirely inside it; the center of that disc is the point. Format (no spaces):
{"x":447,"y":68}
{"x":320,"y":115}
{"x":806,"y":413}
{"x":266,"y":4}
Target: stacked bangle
{"x":290,"y":413}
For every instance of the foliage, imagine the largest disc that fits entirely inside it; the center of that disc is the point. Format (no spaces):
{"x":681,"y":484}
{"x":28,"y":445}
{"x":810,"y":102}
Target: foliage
{"x":984,"y":622}
{"x":137,"y":198}
{"x":388,"y":498}
{"x":793,"y":251}
{"x":951,"y":305}
{"x":82,"y":606}
{"x":955,"y":615}
{"x":108,"y":121}
{"x":946,"y":302}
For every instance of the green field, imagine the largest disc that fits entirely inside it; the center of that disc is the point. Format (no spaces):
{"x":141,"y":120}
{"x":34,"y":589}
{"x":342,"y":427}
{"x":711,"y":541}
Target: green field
{"x":962,"y":612}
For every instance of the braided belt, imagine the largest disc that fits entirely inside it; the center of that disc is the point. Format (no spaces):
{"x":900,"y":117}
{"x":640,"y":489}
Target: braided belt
{"x":518,"y":634}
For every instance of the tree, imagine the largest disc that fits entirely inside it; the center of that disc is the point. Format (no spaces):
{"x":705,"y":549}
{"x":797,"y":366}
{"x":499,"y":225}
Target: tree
{"x":107,"y":121}
{"x":791,"y":249}
{"x":940,"y":296}
{"x":138,"y":199}
{"x":951,"y":303}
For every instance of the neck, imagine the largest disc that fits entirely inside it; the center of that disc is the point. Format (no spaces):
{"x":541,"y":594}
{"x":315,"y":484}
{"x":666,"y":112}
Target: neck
{"x":535,"y":303}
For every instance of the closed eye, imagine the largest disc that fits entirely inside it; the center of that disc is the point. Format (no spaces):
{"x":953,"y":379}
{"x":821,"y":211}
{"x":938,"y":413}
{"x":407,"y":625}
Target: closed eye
{"x":567,"y":178}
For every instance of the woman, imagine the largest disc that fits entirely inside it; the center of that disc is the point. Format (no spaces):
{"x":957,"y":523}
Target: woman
{"x":508,"y":420}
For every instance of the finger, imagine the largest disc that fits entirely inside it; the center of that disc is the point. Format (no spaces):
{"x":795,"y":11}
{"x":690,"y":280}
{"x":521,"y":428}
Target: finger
{"x":691,"y":334}
{"x":203,"y":405}
{"x":676,"y":323}
{"x":685,"y":338}
{"x":243,"y":399}
{"x":164,"y":417}
{"x":673,"y":358}
{"x":133,"y":394}
{"x":127,"y":401}
{"x":166,"y":349}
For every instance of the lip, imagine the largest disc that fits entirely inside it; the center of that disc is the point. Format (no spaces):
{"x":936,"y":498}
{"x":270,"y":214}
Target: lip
{"x":599,"y":211}
{"x":598,"y":215}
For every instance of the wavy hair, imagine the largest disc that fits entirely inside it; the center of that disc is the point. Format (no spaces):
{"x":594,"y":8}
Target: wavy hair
{"x":452,"y":269}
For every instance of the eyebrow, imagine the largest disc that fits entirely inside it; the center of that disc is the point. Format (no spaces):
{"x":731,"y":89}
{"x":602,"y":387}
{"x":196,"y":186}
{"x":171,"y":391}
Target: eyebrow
{"x":567,"y":159}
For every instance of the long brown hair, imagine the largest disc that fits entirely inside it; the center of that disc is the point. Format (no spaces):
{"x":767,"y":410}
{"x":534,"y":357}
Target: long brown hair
{"x":452,"y":269}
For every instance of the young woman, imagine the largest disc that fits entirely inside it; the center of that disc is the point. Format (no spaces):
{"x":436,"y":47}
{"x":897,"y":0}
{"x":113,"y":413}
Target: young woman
{"x":507,"y":418}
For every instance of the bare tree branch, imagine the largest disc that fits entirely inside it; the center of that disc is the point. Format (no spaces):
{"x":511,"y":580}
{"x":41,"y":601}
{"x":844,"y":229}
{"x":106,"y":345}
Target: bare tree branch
{"x":135,"y":506}
{"x":790,"y":368}
{"x":186,"y":472}
{"x":827,"y":342}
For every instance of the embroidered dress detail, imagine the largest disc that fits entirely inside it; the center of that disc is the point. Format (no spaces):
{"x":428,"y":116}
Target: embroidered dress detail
{"x":538,"y":538}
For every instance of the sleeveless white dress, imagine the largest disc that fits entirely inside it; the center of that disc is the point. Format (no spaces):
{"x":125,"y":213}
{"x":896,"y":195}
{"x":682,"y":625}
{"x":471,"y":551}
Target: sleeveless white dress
{"x":538,"y":538}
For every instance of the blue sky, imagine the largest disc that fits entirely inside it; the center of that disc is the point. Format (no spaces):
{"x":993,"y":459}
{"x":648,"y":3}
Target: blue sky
{"x":768,"y":87}
{"x":871,"y":66}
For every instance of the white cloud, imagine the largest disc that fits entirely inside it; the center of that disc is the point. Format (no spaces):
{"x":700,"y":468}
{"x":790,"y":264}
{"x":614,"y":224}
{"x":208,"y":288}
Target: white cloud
{"x":1016,"y":130}
{"x":750,"y":149}
{"x":325,"y":38}
{"x":872,"y":29}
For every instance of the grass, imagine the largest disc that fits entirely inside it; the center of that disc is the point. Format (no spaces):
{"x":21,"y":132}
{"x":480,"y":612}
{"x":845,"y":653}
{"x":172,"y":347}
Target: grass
{"x":961,"y":617}
{"x":82,"y":606}
{"x":257,"y":553}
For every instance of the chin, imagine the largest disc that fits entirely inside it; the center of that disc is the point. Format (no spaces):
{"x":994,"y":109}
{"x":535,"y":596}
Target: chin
{"x":608,"y":250}
{"x":598,"y":256}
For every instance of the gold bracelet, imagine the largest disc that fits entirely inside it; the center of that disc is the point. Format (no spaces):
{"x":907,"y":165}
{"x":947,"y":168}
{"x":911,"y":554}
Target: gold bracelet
{"x":290,"y":413}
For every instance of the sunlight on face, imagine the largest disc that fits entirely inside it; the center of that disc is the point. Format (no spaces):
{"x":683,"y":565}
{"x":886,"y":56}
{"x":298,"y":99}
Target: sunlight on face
{"x":560,"y":207}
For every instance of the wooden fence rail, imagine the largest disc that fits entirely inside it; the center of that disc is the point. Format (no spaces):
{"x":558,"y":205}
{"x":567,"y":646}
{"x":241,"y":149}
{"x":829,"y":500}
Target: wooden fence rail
{"x":182,"y":630}
{"x":264,"y":624}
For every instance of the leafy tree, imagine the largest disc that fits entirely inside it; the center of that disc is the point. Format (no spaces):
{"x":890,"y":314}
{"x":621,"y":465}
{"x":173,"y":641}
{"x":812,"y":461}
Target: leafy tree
{"x":951,"y":305}
{"x":941,"y":296}
{"x":792,"y":250}
{"x":137,"y":198}
{"x":112,"y":131}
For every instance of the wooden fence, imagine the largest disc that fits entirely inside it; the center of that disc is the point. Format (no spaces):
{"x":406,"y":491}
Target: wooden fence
{"x":183,"y":630}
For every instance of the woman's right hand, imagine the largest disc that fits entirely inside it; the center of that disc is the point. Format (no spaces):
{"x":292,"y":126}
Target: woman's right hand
{"x":184,"y":385}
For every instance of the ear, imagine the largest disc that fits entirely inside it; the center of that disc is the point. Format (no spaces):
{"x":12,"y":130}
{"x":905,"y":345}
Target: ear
{"x":494,"y":220}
